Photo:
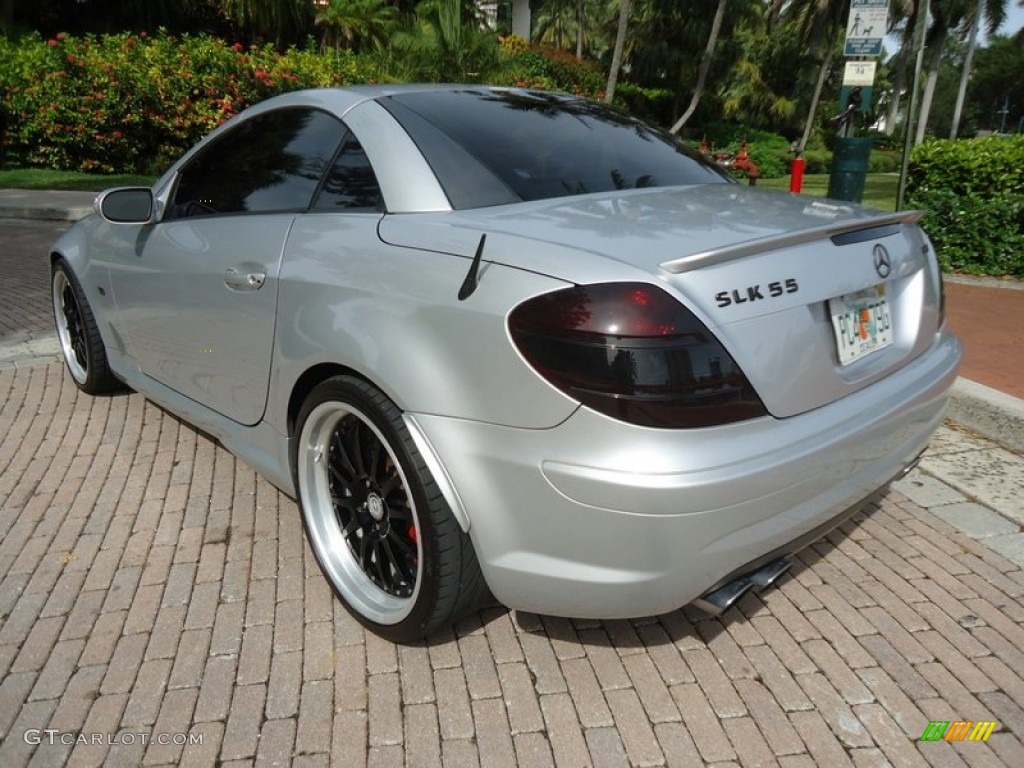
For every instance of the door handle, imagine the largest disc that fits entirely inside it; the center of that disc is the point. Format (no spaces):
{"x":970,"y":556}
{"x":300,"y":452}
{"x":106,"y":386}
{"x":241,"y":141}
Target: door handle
{"x":244,"y":281}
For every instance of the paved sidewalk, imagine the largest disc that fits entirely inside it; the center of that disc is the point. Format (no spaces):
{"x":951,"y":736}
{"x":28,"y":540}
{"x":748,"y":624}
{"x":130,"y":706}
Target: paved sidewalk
{"x":154,"y":589}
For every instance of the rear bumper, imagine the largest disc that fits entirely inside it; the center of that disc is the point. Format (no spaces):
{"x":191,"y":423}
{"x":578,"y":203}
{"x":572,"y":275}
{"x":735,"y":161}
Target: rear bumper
{"x":596,"y":518}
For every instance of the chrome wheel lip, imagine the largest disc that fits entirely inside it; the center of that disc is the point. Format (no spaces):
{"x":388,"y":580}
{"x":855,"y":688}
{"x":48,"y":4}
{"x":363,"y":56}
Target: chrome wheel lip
{"x":62,"y":287}
{"x":325,"y":534}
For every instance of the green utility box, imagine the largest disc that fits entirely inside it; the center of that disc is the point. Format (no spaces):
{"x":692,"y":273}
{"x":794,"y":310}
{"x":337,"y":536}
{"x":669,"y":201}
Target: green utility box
{"x":849,"y":169}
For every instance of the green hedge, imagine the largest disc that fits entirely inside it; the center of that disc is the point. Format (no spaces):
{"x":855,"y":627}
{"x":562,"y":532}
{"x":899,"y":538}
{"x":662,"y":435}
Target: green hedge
{"x":547,"y":69}
{"x":973,"y":191}
{"x":129,"y":103}
{"x":132,"y":103}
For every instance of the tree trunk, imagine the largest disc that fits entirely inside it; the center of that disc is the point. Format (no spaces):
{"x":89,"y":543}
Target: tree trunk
{"x":815,"y":98}
{"x":961,"y":95}
{"x":897,"y":90}
{"x":579,"y":29}
{"x":929,"y":87}
{"x":705,"y":65}
{"x":620,"y":42}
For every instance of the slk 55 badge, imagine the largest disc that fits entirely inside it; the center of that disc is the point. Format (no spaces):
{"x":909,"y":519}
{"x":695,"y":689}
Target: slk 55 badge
{"x":754,"y":292}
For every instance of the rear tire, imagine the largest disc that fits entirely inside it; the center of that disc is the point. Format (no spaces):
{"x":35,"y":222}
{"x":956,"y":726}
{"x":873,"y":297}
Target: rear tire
{"x":379,"y":526}
{"x":80,"y":342}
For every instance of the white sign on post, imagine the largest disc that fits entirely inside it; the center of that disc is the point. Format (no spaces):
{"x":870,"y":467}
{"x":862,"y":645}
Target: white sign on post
{"x":866,"y":27}
{"x":859,"y":73}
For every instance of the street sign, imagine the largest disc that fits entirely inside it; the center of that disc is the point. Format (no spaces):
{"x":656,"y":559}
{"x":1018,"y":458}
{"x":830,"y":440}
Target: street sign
{"x":866,"y":27}
{"x":859,"y":73}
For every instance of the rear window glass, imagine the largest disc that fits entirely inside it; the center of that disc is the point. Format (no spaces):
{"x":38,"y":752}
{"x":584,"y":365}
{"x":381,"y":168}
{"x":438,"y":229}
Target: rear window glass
{"x":537,"y":145}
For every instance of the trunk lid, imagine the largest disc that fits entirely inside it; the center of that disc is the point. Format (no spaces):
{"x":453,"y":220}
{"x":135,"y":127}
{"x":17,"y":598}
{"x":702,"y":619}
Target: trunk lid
{"x":765,"y":271}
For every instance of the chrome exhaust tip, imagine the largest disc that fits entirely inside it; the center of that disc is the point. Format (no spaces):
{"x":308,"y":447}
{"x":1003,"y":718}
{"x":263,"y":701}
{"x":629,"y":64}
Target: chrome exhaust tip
{"x":768,"y":574}
{"x":720,"y":600}
{"x":911,"y":466}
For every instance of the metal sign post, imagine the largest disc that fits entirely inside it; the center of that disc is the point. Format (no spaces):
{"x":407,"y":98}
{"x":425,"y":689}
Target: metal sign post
{"x":865,"y":29}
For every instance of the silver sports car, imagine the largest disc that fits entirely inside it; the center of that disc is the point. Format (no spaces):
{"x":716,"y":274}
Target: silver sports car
{"x":514,"y":343}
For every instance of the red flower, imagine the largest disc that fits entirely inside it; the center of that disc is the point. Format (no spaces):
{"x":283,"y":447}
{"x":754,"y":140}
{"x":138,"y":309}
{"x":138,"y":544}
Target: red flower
{"x":236,"y":47}
{"x":52,"y":42}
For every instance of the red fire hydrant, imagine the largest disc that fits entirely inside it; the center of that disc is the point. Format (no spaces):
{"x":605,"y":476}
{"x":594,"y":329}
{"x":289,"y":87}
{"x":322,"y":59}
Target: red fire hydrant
{"x":796,"y":178}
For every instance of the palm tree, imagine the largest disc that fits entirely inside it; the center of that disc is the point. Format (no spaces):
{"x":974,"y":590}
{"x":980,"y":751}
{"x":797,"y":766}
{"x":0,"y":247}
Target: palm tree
{"x":278,"y":20}
{"x":758,"y":89}
{"x":992,"y":11}
{"x":580,"y":28}
{"x":555,"y":22}
{"x":705,"y":65}
{"x":902,"y":16}
{"x":445,"y":44}
{"x":560,"y":23}
{"x":351,"y":22}
{"x":620,"y":41}
{"x":820,"y":23}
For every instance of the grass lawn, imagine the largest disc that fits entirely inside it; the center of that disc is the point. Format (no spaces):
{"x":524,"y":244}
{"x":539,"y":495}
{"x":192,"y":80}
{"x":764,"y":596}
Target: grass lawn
{"x":37,"y":178}
{"x":879,"y":188}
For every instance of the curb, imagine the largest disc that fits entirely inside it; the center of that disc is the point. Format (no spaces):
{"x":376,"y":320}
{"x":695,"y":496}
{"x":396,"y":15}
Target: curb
{"x":36,"y":213}
{"x":46,"y":204}
{"x":989,"y":412}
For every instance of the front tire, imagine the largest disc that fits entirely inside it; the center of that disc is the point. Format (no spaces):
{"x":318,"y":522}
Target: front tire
{"x":379,"y":526}
{"x":80,"y":342}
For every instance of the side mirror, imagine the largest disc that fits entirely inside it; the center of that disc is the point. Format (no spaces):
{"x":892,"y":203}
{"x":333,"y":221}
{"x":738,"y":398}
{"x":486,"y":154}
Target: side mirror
{"x":125,"y":205}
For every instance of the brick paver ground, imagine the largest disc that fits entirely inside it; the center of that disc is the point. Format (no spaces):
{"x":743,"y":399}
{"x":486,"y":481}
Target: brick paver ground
{"x":151,"y":584}
{"x":25,"y":311}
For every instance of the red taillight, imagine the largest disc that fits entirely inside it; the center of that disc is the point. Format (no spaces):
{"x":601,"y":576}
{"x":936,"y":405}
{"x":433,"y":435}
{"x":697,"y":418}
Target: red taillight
{"x":631,"y":351}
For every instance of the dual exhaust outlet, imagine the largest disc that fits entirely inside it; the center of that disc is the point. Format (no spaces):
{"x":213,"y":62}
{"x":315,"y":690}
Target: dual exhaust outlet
{"x":719,"y":601}
{"x":722,"y":598}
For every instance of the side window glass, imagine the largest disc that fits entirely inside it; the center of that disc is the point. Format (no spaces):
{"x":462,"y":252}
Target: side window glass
{"x":351,"y":185}
{"x":272,"y":162}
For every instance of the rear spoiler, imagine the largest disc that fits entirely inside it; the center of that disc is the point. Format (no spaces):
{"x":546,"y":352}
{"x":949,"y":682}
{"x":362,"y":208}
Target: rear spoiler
{"x":881,"y":225}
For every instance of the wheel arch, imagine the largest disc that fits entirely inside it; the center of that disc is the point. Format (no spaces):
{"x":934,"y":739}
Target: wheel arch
{"x":310,"y":379}
{"x":321,"y":372}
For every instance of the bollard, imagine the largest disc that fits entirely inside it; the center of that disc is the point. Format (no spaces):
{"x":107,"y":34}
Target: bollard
{"x":796,"y":178}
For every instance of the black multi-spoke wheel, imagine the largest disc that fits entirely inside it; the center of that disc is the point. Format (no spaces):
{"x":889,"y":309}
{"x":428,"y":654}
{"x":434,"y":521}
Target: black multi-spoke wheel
{"x":372,"y":505}
{"x":376,"y":521}
{"x":79,"y":337}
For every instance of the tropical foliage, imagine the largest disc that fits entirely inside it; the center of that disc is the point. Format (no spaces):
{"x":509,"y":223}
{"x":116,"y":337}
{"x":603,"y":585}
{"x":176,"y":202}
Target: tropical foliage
{"x":132,"y":103}
{"x":974,"y":193}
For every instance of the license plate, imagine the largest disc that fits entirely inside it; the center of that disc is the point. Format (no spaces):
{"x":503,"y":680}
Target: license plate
{"x":862,"y":323}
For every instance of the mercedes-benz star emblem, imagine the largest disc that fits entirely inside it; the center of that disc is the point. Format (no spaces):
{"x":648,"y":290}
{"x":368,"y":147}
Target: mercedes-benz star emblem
{"x":883,"y":264}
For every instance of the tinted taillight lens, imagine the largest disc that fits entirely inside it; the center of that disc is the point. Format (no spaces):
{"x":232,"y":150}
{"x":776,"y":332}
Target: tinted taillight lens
{"x":632,"y":352}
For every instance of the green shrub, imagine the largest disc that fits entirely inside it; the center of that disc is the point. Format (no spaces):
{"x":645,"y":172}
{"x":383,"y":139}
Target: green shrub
{"x":643,"y":102}
{"x":974,"y":234}
{"x":547,"y":69}
{"x":817,"y":161}
{"x":770,"y":151}
{"x":973,"y":191}
{"x":884,"y":161}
